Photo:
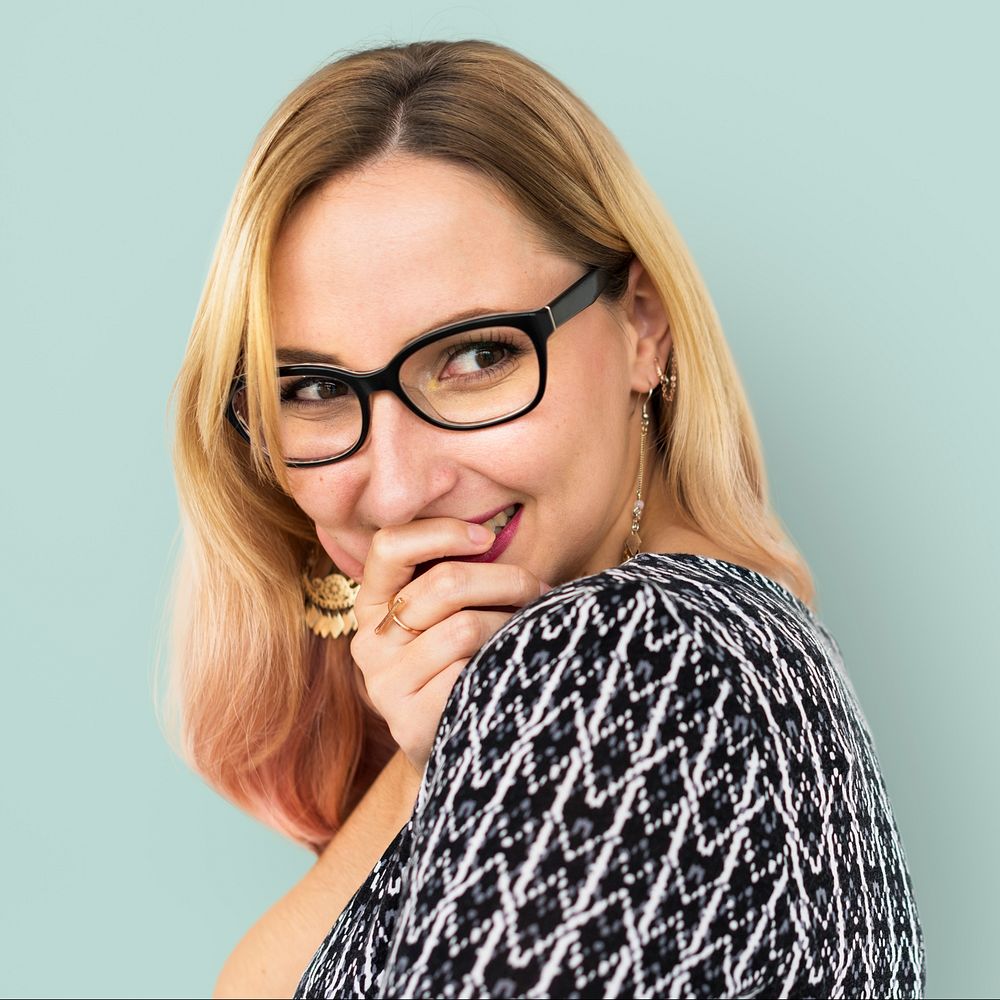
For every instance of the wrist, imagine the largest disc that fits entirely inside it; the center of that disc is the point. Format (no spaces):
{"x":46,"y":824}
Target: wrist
{"x":409,"y":779}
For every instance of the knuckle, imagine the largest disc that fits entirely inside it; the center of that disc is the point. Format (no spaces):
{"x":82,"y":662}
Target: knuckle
{"x":376,"y":691}
{"x":447,"y":581}
{"x":382,"y":544}
{"x":356,"y":646}
{"x":465,"y":629}
{"x":359,"y":646}
{"x":524,"y":582}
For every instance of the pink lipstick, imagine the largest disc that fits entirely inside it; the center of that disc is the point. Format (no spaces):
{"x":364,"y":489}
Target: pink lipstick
{"x":500,"y":542}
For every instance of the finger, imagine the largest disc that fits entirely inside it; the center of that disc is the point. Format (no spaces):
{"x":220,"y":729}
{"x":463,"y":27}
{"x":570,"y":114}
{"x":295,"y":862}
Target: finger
{"x":420,"y":657}
{"x":460,"y":635}
{"x":395,"y":552}
{"x":428,"y":703}
{"x":450,"y":586}
{"x":435,"y":691}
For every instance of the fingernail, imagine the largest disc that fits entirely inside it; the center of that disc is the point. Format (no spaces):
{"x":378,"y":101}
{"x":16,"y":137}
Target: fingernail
{"x":479,"y":532}
{"x":545,"y":588}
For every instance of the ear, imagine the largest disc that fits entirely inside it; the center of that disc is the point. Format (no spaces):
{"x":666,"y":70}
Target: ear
{"x":646,"y":314}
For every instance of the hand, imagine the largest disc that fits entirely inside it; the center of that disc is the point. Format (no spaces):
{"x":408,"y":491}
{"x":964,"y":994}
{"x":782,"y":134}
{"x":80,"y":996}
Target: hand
{"x":409,"y":677}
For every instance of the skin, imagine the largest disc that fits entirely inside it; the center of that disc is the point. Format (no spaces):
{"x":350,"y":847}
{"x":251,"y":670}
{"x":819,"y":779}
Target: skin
{"x":372,"y":260}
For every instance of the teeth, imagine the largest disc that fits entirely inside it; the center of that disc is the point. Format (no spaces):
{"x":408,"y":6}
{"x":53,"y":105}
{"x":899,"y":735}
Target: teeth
{"x":496,"y":524}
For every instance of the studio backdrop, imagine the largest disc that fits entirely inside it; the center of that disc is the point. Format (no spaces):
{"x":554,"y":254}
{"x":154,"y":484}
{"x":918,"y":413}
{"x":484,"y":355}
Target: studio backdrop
{"x":833,"y":171}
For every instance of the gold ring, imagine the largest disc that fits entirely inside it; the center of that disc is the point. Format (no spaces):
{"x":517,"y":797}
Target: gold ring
{"x":396,"y":602}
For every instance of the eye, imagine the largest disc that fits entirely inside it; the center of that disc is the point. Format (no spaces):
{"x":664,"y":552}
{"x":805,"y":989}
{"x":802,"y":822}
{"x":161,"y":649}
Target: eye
{"x":479,"y":357}
{"x":486,"y":354}
{"x":312,"y":390}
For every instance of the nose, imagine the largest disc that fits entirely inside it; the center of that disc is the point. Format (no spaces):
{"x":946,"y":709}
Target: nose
{"x":407,"y":462}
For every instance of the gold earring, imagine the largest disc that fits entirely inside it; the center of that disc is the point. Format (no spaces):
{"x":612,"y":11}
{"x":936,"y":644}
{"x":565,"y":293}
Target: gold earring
{"x":329,"y":601}
{"x":634,"y":543}
{"x":672,"y":365}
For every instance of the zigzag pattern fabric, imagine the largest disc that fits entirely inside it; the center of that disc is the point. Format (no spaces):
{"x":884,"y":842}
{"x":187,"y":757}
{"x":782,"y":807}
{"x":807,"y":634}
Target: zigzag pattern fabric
{"x":655,"y":781}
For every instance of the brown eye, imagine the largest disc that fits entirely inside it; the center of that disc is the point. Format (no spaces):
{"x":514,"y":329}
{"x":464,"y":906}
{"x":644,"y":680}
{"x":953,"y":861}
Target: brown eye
{"x":312,"y":390}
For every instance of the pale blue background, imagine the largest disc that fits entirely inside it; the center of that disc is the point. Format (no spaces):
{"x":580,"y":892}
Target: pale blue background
{"x":834,"y":171}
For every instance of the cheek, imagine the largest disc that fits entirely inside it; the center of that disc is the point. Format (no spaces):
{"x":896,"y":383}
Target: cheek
{"x":571,"y":442}
{"x":323,"y":497}
{"x":585,"y":410}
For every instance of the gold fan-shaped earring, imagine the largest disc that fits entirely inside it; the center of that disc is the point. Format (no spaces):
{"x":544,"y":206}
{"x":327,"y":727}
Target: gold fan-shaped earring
{"x":329,"y":601}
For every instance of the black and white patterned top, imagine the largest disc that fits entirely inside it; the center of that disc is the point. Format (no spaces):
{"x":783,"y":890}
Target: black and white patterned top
{"x":655,"y":781}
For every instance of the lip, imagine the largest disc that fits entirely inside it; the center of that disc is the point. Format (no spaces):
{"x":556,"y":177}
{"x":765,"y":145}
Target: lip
{"x":485,"y":517}
{"x":501,"y":542}
{"x":494,"y":552}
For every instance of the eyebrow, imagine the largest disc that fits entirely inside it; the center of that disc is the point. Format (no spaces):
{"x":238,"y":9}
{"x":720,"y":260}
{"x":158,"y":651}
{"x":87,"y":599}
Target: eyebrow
{"x":301,"y":356}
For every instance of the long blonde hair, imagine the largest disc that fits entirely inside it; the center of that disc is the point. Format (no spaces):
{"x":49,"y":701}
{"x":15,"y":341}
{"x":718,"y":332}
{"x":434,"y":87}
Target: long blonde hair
{"x":268,"y":713}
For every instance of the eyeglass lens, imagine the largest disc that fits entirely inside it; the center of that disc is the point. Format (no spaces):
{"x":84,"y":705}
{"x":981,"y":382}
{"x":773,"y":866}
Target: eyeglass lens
{"x":467,"y":378}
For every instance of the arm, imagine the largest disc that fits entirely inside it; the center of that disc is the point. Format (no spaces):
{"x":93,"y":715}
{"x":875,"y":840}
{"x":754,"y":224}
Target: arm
{"x":592,"y":821}
{"x":270,"y":958}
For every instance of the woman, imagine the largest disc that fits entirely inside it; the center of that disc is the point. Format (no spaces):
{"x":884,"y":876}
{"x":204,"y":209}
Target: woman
{"x":482,"y":598}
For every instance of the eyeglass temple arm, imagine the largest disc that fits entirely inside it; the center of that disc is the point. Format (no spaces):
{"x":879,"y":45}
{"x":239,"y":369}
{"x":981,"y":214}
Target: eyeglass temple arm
{"x":578,"y":296}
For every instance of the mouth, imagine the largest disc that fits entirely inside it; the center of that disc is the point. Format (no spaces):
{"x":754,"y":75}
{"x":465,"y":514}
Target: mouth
{"x":504,"y":525}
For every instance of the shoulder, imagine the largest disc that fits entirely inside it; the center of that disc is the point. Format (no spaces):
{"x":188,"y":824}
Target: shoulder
{"x":694,"y":607}
{"x":630,"y":629}
{"x":612,"y":704}
{"x":575,"y":627}
{"x":667,"y":642}
{"x":640,"y":758}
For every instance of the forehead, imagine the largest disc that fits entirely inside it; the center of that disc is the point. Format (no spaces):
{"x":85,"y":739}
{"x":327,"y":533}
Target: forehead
{"x":373,"y":259}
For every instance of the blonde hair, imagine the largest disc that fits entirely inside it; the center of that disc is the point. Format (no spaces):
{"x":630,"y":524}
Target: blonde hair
{"x":268,"y":713}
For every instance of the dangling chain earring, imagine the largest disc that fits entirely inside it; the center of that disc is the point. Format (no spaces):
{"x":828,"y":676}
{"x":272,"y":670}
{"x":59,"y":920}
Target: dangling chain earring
{"x":329,"y":601}
{"x":634,"y":543}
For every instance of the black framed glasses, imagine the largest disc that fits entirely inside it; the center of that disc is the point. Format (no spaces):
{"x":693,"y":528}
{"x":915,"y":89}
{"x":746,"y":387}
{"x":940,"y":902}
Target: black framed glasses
{"x":476,"y":373}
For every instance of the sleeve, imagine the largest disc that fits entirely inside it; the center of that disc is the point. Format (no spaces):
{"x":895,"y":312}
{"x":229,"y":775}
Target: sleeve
{"x":590,"y":822}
